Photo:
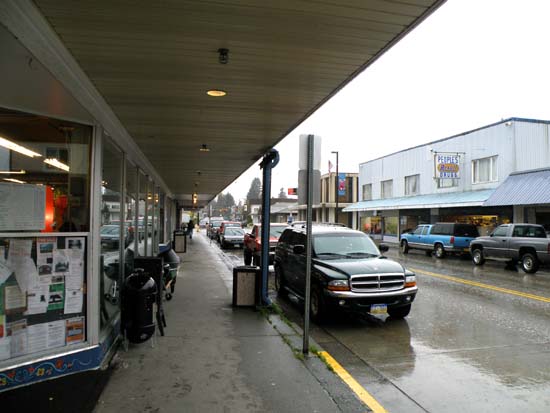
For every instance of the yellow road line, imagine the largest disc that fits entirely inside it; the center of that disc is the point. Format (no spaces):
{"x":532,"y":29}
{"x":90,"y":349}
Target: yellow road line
{"x":363,"y":395}
{"x":482,"y":285}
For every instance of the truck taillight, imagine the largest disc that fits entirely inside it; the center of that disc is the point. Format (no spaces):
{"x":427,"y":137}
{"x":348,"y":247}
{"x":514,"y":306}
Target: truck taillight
{"x":452,"y":240}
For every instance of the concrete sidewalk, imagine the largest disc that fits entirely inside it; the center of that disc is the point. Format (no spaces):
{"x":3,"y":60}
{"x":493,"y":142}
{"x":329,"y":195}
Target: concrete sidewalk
{"x":216,"y":358}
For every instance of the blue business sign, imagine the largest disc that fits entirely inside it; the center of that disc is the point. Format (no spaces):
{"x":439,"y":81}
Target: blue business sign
{"x":341,"y":184}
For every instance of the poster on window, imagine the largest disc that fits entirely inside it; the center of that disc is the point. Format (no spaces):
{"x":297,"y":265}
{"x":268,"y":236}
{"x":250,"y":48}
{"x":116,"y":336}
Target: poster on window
{"x":22,"y":207}
{"x":447,"y":166}
{"x":341,"y":184}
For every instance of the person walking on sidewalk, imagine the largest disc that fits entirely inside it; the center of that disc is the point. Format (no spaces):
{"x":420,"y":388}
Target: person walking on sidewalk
{"x":190,"y":226}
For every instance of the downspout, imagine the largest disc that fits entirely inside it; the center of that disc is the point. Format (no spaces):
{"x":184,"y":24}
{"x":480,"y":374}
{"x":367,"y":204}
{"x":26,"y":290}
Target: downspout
{"x":270,"y":161}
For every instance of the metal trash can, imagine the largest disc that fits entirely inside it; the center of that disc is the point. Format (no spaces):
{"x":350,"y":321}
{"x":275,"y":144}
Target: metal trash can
{"x":180,"y":241}
{"x":246,"y":285}
{"x":138,"y":298}
{"x":171,"y":259}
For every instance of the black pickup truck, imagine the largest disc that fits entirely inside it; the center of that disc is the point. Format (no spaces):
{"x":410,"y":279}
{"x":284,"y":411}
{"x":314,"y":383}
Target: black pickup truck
{"x":348,"y":273}
{"x":526,"y":244}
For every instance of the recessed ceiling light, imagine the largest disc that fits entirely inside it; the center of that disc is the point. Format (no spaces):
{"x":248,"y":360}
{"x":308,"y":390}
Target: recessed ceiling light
{"x":17,"y":148}
{"x":21,"y":172}
{"x":55,"y":162}
{"x":216,"y":92}
{"x":17,"y":181}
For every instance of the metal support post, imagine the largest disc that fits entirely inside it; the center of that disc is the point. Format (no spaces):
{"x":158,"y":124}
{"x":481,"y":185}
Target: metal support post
{"x":309,"y":215}
{"x":270,"y":161}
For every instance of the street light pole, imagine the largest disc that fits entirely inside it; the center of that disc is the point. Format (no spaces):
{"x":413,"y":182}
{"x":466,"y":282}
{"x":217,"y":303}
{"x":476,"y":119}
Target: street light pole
{"x":336,"y":189}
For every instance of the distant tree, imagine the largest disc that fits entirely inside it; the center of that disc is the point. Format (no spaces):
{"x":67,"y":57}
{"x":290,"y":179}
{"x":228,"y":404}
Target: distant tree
{"x":223,"y":205}
{"x":255,"y":191}
{"x":282,"y":193}
{"x":228,"y":200}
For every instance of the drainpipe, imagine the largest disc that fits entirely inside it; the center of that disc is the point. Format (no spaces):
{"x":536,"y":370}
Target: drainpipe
{"x":270,"y":161}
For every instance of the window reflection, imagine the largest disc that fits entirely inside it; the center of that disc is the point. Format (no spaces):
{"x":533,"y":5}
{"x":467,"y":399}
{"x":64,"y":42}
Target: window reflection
{"x":143,"y":223}
{"x":150,"y":218}
{"x":114,"y":231}
{"x":46,"y":160}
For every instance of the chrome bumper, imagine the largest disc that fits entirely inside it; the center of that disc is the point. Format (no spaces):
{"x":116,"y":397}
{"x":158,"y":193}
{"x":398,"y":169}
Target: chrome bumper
{"x":351,"y":294}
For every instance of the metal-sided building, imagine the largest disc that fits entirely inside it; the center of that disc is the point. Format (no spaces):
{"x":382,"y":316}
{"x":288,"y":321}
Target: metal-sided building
{"x":458,"y":179}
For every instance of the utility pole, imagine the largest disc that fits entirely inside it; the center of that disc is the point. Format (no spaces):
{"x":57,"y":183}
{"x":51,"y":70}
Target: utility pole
{"x":336,"y":189}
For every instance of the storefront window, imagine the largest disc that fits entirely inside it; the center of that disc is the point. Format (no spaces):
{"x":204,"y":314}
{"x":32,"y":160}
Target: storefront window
{"x":390,"y":226}
{"x":44,"y":188}
{"x":150,"y":218}
{"x":130,"y":217}
{"x":143,"y":224}
{"x":44,"y":174}
{"x":169,"y":210}
{"x":112,"y":238}
{"x":371,"y":225}
{"x":162,"y":216}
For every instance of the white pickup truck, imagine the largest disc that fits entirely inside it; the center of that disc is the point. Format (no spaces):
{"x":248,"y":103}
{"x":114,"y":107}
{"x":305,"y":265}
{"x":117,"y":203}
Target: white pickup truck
{"x":526,"y":244}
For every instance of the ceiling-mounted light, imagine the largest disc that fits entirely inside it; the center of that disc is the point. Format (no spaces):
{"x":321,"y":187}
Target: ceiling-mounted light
{"x":216,"y":93}
{"x":17,"y":148}
{"x":17,"y":181}
{"x":21,"y":172}
{"x":57,"y":164}
{"x":204,"y":148}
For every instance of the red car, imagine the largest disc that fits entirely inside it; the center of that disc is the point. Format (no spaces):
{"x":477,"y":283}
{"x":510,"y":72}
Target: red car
{"x":252,"y":243}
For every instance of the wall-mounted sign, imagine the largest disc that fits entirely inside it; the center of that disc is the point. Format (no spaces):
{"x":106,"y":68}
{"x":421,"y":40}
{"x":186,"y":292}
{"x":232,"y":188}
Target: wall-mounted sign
{"x":447,"y":166}
{"x":293,"y":191}
{"x":341,"y":184}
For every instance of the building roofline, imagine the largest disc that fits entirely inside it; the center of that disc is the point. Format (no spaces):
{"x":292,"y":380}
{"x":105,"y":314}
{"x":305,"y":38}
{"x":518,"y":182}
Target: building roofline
{"x":513,"y":119}
{"x":530,"y":171}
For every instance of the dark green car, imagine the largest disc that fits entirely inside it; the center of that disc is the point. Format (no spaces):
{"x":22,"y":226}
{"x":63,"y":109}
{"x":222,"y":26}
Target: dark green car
{"x":348,"y":273}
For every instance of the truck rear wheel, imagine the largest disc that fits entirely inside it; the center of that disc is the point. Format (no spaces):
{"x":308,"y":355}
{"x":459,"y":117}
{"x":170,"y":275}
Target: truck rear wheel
{"x":477,"y":256}
{"x":529,"y":263}
{"x":439,"y":251}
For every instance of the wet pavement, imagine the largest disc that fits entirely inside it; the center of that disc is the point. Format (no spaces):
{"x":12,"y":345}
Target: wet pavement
{"x":477,"y":341}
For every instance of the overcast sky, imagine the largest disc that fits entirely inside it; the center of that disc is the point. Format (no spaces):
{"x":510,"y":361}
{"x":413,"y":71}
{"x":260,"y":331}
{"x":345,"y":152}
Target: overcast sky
{"x":470,"y":64}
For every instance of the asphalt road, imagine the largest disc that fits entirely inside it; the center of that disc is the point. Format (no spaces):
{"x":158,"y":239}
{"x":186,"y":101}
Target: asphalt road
{"x":477,"y":339}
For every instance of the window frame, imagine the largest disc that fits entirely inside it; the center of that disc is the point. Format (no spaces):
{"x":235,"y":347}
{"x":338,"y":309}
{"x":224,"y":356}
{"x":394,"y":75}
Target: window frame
{"x":383,"y":194}
{"x":416,"y":185}
{"x":493,"y":170}
{"x":365,"y":186}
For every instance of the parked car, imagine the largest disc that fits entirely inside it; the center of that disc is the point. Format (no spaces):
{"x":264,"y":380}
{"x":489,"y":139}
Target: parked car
{"x":348,"y":272}
{"x":212,"y":230}
{"x":110,"y":236}
{"x":226,"y":224}
{"x":253,"y":243}
{"x":526,"y":244}
{"x":232,"y":237}
{"x":440,"y":238}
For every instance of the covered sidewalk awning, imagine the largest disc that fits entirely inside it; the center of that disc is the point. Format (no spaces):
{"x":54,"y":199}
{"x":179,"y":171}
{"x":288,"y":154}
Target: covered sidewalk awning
{"x":445,"y":200}
{"x":523,"y":188}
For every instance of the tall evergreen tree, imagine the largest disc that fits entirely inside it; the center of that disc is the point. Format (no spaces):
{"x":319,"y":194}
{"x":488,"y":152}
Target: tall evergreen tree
{"x":255,"y":191}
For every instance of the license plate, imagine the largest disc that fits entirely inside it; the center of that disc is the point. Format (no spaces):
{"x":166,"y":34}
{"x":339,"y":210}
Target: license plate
{"x":378,"y":309}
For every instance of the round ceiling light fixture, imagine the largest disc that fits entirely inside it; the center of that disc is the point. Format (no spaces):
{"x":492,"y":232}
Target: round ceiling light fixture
{"x":216,"y":92}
